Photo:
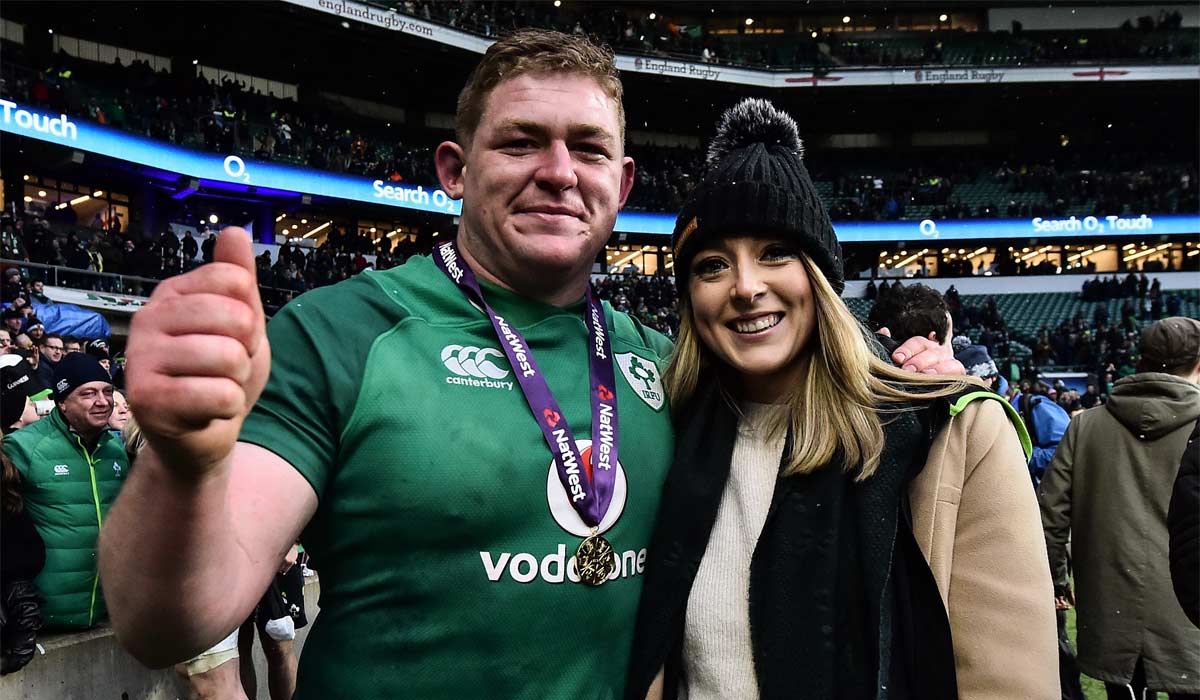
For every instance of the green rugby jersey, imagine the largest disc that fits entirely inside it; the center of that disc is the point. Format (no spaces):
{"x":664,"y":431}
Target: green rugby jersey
{"x":443,"y":536}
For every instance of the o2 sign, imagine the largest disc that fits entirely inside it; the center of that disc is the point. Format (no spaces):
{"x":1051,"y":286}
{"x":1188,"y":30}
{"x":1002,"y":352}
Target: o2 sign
{"x":236,"y":168}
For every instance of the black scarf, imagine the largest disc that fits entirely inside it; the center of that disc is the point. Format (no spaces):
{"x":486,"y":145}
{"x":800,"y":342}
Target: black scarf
{"x":842,"y":603}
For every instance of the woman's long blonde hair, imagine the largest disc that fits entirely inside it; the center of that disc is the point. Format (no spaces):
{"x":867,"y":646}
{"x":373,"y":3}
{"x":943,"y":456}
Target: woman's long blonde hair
{"x":841,"y":392}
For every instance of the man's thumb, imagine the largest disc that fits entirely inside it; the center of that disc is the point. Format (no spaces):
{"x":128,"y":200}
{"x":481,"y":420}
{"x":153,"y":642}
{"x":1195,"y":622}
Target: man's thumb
{"x":233,"y":246}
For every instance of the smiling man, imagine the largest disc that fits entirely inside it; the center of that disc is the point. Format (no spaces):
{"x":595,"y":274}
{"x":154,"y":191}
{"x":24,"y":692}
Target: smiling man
{"x":440,"y":466}
{"x":464,"y":526}
{"x":71,"y":470}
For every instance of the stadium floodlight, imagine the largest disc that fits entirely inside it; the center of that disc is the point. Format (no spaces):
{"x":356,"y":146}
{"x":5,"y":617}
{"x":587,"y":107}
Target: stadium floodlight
{"x":195,"y":61}
{"x":943,"y":17}
{"x":846,"y":19}
{"x":41,"y":193}
{"x":558,"y":3}
{"x":345,"y":25}
{"x":814,"y":34}
{"x":28,"y":199}
{"x":304,"y":221}
{"x":749,"y":21}
{"x":212,"y":218}
{"x":98,"y":193}
{"x":653,"y":16}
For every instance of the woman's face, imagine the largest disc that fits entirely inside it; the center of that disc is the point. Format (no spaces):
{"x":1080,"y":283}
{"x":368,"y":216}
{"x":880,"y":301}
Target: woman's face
{"x":120,"y":415}
{"x":29,"y":416}
{"x":753,"y":307}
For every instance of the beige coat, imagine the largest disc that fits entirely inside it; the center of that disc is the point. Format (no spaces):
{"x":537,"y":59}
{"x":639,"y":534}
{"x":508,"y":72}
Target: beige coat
{"x":975,"y":517}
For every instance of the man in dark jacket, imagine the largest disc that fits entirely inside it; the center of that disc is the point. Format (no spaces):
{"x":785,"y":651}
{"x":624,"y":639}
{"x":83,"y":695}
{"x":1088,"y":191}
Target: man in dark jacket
{"x":1108,"y":489}
{"x":1183,"y":522}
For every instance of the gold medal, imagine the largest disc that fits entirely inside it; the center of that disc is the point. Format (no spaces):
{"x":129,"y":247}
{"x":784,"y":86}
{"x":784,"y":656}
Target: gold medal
{"x":594,"y":561}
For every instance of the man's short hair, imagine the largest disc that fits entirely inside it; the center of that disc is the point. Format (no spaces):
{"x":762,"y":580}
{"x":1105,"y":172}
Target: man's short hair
{"x":911,"y":311}
{"x":535,"y":51}
{"x":48,"y":336}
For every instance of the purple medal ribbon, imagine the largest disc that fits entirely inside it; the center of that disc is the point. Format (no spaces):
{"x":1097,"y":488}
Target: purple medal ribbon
{"x":589,"y":497}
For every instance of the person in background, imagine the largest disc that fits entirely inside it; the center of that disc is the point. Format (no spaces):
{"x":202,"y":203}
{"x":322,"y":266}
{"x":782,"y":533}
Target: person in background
{"x":35,"y":329}
{"x":1046,"y":423}
{"x":13,"y":320}
{"x":51,"y":350}
{"x":19,"y":388}
{"x":914,"y":310}
{"x":98,"y":349}
{"x":278,"y":615}
{"x":121,"y":414}
{"x":13,"y":286}
{"x":37,"y":292}
{"x":1183,"y":522}
{"x":71,"y":344}
{"x":71,"y":469}
{"x":977,"y":362}
{"x":22,"y":551}
{"x":22,"y":557}
{"x":1107,"y":491}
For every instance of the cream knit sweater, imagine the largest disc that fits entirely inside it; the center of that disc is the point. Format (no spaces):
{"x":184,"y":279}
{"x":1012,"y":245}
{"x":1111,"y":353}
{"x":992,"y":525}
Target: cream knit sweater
{"x":717,"y":656}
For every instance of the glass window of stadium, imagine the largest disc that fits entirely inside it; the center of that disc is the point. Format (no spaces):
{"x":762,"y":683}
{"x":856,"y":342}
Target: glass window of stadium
{"x":1088,"y":258}
{"x":317,"y":227}
{"x":76,"y":203}
{"x":306,"y":226}
{"x":637,"y":259}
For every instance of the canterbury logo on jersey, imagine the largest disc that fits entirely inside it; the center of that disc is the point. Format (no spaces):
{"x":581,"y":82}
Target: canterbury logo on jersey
{"x":474,"y":366}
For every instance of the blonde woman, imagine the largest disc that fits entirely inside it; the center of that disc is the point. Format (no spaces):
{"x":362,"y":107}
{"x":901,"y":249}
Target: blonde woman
{"x":833,"y":527}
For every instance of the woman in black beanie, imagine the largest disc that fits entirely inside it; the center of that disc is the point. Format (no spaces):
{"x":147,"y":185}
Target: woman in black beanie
{"x":833,"y":527}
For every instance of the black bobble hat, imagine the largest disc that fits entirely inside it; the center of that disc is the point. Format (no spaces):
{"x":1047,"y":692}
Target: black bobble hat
{"x":756,"y":182}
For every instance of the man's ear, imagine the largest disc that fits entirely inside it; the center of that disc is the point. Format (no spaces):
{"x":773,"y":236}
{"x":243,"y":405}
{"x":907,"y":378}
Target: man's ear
{"x":627,"y":172}
{"x":451,"y":162}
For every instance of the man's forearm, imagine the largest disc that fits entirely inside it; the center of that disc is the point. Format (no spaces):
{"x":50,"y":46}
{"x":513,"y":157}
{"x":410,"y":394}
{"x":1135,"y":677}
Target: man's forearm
{"x":170,"y":562}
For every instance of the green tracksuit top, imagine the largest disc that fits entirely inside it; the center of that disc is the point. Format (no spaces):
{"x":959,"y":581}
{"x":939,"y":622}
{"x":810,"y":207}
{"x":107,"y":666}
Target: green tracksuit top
{"x":68,"y":491}
{"x":442,"y":536}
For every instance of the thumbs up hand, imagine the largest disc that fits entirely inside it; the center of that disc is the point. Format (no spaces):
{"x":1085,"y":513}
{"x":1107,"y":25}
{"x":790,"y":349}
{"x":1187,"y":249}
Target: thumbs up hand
{"x":199,"y":358}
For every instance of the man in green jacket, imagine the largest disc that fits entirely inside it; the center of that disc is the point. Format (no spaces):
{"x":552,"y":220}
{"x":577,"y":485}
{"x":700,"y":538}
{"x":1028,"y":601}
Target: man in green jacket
{"x":1108,"y":488}
{"x":71,"y":469}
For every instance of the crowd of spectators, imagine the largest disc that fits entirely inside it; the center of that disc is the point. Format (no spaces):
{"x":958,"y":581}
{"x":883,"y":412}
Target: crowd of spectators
{"x":282,"y":275}
{"x":1064,"y":191}
{"x":647,"y":31}
{"x":230,"y":118}
{"x":225,"y":117}
{"x":650,"y":299}
{"x":294,"y":269}
{"x":1104,"y":347}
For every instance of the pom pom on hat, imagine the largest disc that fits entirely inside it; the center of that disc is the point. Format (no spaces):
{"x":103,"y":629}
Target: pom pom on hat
{"x":754,"y":121}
